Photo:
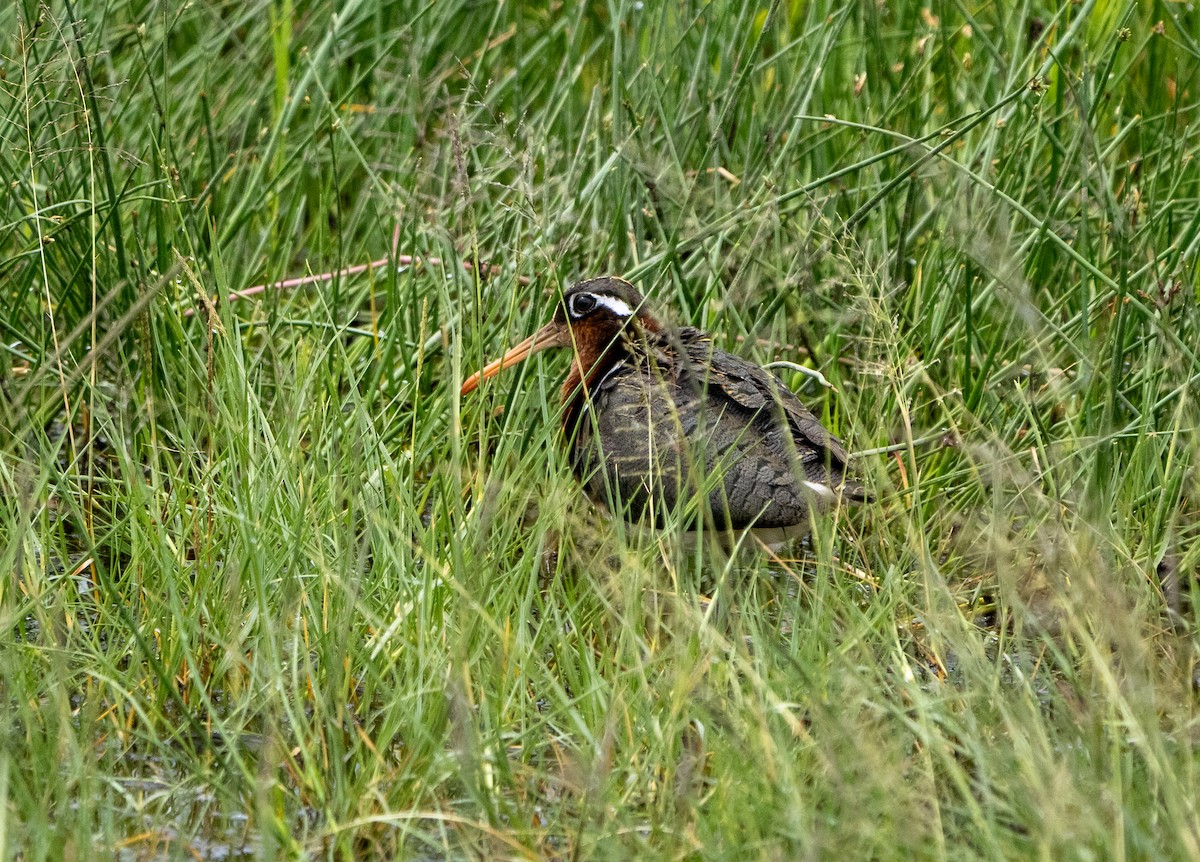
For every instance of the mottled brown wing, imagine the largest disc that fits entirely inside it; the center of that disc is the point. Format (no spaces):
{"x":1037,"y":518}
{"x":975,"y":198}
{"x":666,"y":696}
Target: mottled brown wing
{"x":755,"y":389}
{"x":678,"y":422}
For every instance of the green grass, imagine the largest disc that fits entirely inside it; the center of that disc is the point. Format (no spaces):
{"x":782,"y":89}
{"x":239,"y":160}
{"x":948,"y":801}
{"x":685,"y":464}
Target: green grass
{"x":270,"y":589}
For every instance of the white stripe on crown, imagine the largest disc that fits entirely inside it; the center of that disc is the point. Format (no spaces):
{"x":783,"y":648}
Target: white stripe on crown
{"x":617,"y":306}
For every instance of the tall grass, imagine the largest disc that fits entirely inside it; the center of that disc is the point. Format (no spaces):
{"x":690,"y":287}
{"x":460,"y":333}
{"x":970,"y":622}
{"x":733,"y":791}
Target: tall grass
{"x":271,"y":589}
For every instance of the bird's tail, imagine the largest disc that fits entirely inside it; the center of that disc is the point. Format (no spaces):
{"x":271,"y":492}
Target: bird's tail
{"x":853,"y":491}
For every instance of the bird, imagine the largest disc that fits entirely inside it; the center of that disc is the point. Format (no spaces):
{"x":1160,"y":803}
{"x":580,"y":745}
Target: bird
{"x":658,"y":420}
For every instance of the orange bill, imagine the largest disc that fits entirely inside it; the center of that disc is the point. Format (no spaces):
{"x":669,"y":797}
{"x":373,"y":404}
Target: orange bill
{"x":550,"y":335}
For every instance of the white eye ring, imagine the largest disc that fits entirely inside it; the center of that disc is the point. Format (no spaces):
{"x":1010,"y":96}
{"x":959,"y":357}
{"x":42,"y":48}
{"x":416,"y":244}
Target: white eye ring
{"x":581,"y":305}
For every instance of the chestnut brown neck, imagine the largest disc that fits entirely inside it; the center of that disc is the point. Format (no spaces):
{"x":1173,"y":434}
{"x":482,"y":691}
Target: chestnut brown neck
{"x":597,"y":349}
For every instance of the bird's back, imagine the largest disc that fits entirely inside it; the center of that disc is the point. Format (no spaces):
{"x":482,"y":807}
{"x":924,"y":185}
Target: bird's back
{"x":675,"y":421}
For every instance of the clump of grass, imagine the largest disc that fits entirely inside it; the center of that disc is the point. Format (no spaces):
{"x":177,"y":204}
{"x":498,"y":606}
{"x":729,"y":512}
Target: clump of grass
{"x":273,"y":590}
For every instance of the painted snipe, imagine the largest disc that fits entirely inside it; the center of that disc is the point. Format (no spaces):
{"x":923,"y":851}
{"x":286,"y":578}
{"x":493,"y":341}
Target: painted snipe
{"x":658,"y":420}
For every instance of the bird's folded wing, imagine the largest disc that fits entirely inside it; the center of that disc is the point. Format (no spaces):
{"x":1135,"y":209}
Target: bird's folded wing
{"x":756,"y":390}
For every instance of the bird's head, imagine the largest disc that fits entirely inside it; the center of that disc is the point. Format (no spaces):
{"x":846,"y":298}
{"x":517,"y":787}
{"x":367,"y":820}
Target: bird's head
{"x":591,"y":317}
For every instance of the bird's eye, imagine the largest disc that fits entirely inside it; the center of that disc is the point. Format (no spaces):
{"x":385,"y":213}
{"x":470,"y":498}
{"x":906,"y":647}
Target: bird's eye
{"x":581,"y":304}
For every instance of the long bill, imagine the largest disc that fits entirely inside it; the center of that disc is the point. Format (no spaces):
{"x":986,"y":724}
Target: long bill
{"x":550,"y":335}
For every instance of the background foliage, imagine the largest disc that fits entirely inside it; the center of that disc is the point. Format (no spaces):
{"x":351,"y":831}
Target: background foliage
{"x":271,"y":589}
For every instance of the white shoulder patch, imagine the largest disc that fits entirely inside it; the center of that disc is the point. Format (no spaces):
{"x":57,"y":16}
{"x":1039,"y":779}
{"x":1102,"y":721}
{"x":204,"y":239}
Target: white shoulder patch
{"x":820,"y":490}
